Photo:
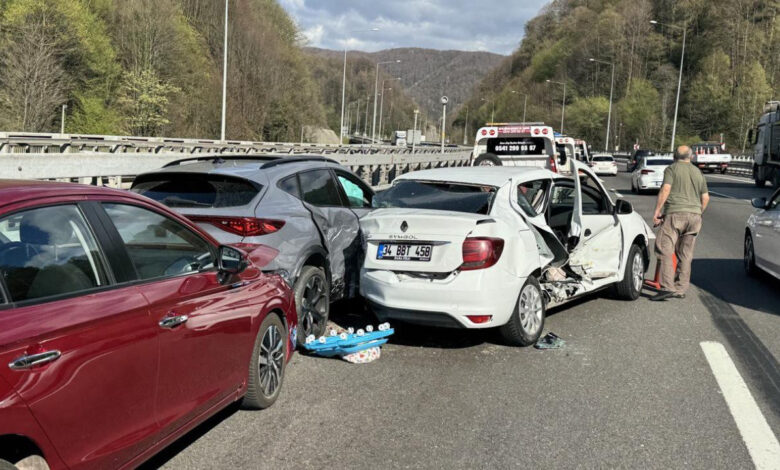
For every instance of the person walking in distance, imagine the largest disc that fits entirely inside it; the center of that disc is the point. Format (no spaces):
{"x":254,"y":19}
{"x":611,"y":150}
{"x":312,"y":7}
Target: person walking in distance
{"x":681,"y":202}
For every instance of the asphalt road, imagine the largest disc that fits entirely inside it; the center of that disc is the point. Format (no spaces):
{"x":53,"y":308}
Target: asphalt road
{"x":632,"y":388}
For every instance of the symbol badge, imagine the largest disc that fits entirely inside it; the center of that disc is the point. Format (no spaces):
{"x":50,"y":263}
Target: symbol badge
{"x":404,"y":226}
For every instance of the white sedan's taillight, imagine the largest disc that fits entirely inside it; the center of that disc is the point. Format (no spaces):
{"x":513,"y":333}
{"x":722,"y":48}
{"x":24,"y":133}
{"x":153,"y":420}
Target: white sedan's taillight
{"x":481,"y":252}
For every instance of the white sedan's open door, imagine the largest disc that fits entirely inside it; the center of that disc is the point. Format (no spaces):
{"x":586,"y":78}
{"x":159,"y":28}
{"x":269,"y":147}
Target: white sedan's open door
{"x":595,"y":230}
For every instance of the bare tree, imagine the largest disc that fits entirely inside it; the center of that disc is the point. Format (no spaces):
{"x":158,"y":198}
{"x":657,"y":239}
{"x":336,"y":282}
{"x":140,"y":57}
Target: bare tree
{"x":33,"y":81}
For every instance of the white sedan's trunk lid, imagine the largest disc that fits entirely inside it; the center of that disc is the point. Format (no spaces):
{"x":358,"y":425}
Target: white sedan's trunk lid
{"x":442,"y":231}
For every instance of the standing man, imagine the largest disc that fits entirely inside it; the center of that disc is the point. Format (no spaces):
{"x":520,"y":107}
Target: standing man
{"x":681,"y":201}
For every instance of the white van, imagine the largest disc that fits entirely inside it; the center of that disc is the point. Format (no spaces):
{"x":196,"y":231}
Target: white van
{"x":515,"y":144}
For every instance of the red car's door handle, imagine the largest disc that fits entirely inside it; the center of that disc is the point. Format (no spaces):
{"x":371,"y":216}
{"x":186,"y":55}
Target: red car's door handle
{"x":172,"y":321}
{"x":32,"y":360}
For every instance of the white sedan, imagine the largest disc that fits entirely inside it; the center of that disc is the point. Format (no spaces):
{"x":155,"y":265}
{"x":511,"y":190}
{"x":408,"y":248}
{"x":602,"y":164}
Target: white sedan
{"x":484,"y":247}
{"x":604,"y":165}
{"x":649,"y":173}
{"x":762,"y":237}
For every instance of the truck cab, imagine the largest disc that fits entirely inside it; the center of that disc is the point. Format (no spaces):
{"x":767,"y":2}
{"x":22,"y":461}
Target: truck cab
{"x":766,"y":146}
{"x":515,"y":144}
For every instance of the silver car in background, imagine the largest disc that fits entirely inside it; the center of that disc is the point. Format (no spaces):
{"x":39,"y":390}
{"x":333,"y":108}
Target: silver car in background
{"x":762,"y":237}
{"x":305,"y":207}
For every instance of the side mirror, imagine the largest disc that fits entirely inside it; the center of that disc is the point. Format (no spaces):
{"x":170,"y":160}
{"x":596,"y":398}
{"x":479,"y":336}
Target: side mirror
{"x":231,"y":260}
{"x":623,"y":207}
{"x":759,"y":202}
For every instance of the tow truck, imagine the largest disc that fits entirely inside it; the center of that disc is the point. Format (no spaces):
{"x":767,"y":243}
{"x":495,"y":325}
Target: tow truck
{"x":711,"y":156}
{"x":565,"y":149}
{"x":766,"y":146}
{"x":581,"y":151}
{"x":515,"y":144}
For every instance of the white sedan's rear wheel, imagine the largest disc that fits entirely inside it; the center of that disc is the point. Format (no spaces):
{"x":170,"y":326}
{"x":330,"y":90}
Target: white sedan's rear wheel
{"x":526,"y":324}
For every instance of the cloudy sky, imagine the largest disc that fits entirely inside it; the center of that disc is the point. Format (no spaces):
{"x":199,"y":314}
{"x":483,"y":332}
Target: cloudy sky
{"x":474,"y":25}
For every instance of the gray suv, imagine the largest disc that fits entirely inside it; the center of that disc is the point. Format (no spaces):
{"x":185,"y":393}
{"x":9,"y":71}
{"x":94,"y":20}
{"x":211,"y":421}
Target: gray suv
{"x":305,"y":207}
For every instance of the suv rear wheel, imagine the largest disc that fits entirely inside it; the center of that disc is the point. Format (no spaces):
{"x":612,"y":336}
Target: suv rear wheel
{"x":312,"y":300}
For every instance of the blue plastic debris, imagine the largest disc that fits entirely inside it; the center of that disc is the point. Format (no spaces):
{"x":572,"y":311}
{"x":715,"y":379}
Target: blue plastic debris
{"x":347,"y":343}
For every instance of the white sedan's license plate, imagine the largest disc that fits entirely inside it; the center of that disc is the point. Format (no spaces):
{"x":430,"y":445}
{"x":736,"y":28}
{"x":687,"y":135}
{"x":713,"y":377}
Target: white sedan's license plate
{"x":404,"y":252}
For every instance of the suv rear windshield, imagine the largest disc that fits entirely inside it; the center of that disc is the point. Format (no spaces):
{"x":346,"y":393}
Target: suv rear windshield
{"x":196,"y":190}
{"x":442,"y":196}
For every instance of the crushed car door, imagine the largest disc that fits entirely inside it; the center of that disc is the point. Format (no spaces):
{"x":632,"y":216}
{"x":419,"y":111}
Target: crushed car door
{"x":357,"y":196}
{"x":338,"y":225}
{"x":529,"y":199}
{"x":595,"y":232}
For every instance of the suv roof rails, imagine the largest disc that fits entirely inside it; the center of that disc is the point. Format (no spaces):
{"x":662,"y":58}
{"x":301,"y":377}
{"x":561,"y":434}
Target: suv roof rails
{"x":217,"y":159}
{"x":282,"y":161}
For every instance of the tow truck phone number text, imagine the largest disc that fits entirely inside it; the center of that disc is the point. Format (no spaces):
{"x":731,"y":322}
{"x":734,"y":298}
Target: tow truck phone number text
{"x":515,"y":148}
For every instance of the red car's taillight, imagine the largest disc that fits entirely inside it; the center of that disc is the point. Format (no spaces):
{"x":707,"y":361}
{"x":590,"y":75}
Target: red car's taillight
{"x":244,"y":226}
{"x":481,"y":252}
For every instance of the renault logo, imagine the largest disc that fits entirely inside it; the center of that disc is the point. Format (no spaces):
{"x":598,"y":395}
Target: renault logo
{"x":404,"y":226}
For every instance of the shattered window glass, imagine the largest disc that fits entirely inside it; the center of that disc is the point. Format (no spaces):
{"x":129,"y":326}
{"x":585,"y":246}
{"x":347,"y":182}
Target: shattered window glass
{"x":531,"y":196}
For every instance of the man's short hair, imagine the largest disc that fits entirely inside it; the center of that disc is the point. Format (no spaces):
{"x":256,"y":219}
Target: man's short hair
{"x":683,"y":152}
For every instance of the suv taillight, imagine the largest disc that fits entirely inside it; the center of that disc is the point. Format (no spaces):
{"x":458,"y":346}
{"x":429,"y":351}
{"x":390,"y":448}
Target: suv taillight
{"x":481,"y":252}
{"x":553,"y":166}
{"x":243,"y":226}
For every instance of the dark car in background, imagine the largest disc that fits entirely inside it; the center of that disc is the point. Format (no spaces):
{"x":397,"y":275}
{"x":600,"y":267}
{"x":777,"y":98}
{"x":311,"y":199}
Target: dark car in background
{"x":636,"y":156}
{"x":306,"y":207}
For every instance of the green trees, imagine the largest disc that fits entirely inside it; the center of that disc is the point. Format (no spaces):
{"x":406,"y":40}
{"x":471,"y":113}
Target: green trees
{"x":153,"y":67}
{"x":732,"y":66}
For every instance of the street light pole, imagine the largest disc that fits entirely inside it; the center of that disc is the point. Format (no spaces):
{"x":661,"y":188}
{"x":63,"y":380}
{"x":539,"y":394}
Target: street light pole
{"x":224,"y":73}
{"x":679,"y":79}
{"x":444,"y":101}
{"x":525,"y":102}
{"x":62,"y":120}
{"x":563,"y":102}
{"x":466,"y":127}
{"x":382,"y":103}
{"x":611,"y":88}
{"x":414,"y":130}
{"x":376,"y":91}
{"x":344,"y":84}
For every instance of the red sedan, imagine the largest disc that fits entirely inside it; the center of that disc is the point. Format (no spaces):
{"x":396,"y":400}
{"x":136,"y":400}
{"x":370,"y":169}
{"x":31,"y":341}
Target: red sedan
{"x":123,"y":325}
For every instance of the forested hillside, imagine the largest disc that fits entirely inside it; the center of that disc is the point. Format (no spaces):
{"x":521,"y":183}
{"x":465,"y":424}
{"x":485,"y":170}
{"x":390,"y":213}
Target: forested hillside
{"x":397,"y":108}
{"x":153,"y":67}
{"x":732,"y":66}
{"x":427,"y":74}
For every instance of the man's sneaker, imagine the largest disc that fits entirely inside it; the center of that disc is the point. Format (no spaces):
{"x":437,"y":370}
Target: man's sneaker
{"x":663,"y":295}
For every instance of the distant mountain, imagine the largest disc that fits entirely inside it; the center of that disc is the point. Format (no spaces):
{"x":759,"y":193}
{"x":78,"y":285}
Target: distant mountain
{"x":427,"y":74}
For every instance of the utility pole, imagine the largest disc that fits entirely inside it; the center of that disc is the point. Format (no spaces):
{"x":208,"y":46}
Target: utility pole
{"x":414,"y":130}
{"x":62,"y":120}
{"x":684,"y":29}
{"x":563,"y":102}
{"x":444,"y":101}
{"x":376,"y":95}
{"x":344,"y":84}
{"x":224,"y":73}
{"x":611,"y":88}
{"x":466,"y":128}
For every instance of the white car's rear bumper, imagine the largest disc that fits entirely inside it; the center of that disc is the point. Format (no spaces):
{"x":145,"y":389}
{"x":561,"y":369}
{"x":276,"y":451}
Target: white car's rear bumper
{"x":606,"y":171}
{"x":647,"y":182}
{"x":444,"y":302}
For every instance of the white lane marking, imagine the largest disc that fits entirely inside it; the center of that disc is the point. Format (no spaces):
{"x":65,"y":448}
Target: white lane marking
{"x":761,"y":442}
{"x":731,"y":178}
{"x":723,"y":195}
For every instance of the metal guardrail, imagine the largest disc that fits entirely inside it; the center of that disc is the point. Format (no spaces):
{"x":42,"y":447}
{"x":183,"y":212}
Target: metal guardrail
{"x":38,"y":143}
{"x":116,"y":160}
